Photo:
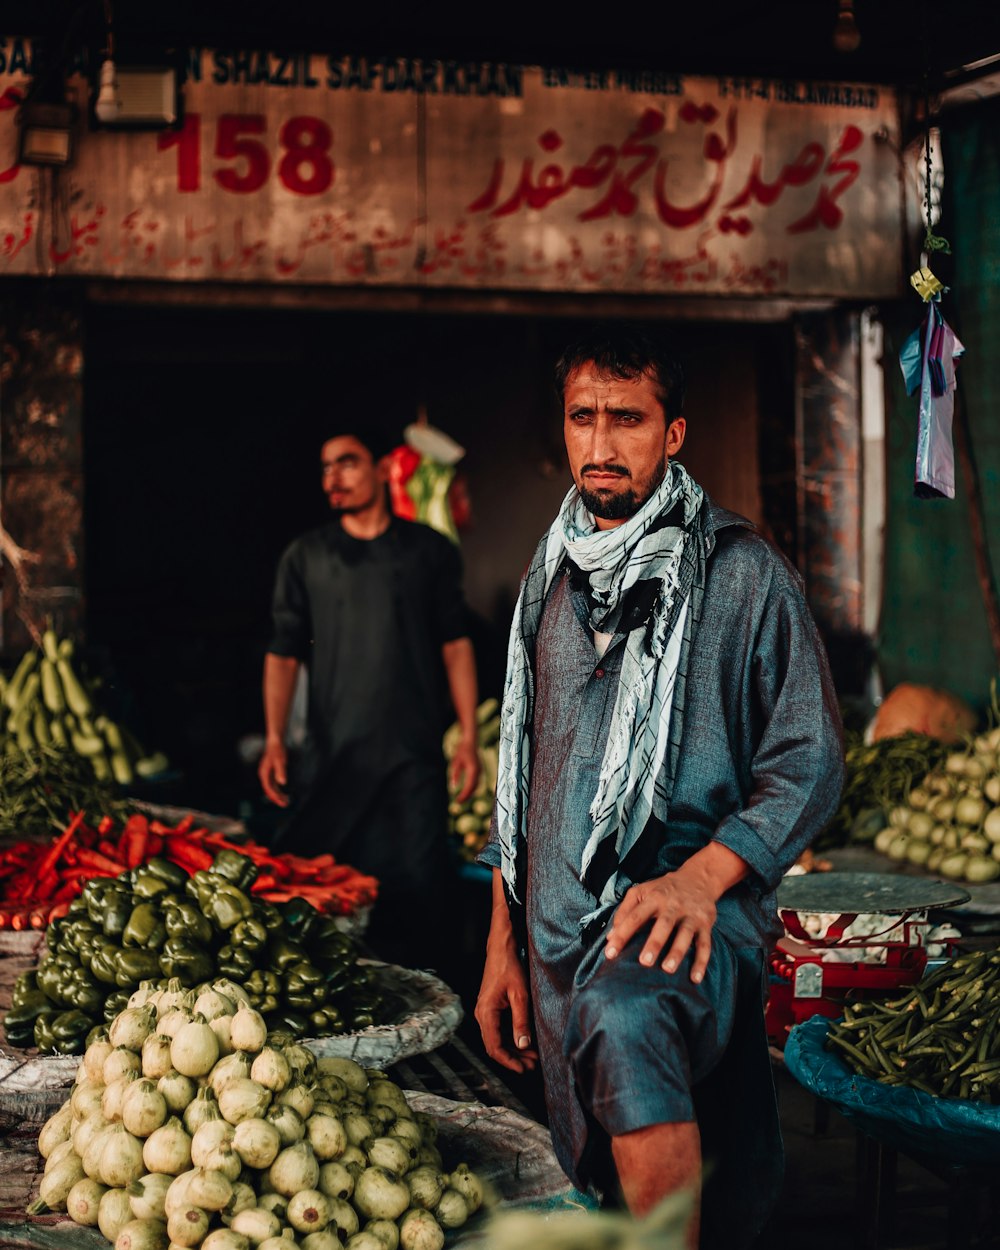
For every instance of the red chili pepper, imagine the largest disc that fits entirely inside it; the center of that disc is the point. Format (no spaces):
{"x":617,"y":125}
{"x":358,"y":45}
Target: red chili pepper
{"x":67,"y":891}
{"x":184,"y":855}
{"x":105,"y":825}
{"x":132,"y":843}
{"x":94,"y":859}
{"x":52,"y":858}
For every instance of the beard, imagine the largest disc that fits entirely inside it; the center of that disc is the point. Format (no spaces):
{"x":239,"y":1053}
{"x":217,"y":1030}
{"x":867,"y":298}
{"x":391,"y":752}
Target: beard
{"x":349,"y":509}
{"x":618,"y":506}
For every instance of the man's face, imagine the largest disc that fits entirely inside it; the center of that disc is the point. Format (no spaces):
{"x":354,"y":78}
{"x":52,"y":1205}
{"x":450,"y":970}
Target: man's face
{"x":617,"y":440}
{"x":352,"y":481}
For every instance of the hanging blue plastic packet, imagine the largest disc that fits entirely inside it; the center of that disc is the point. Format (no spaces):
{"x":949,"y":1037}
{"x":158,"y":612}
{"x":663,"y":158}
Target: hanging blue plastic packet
{"x":927,"y":360}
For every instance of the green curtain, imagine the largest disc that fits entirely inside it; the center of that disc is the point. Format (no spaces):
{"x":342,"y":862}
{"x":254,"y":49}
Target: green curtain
{"x":933,"y":627}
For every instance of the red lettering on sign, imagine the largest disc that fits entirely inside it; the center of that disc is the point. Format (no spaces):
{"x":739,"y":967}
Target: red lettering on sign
{"x":10,"y":99}
{"x":187,"y":141}
{"x":307,"y":143}
{"x":232,"y":143}
{"x":826,"y":211}
{"x":717,"y":152}
{"x":806,"y":166}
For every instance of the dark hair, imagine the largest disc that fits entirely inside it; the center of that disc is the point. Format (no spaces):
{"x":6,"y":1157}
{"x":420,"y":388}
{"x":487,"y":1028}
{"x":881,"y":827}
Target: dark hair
{"x":627,"y":352}
{"x":376,"y":442}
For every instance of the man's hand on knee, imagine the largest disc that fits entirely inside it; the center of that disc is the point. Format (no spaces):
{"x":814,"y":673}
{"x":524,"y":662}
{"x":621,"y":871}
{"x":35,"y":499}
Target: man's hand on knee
{"x":681,"y":906}
{"x":679,"y":910}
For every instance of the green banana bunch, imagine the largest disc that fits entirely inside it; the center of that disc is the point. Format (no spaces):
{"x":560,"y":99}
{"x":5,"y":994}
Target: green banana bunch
{"x":44,"y":703}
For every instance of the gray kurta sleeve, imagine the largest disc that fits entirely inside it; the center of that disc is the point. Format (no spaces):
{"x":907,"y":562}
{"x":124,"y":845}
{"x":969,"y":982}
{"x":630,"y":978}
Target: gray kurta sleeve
{"x":797,"y":767}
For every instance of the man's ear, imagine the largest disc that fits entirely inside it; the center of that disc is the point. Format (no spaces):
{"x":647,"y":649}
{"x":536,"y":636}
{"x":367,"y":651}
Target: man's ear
{"x":675,"y":436}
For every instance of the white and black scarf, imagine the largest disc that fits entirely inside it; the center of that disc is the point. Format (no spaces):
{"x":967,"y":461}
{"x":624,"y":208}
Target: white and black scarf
{"x":661,"y":543}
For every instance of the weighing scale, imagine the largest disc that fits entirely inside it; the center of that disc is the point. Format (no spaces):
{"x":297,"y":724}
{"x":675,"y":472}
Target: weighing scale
{"x":816,"y":975}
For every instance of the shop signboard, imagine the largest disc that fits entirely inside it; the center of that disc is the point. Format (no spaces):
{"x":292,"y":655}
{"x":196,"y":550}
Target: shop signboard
{"x":352,"y":171}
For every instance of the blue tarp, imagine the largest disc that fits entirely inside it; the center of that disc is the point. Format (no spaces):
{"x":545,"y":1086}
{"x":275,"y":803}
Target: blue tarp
{"x":947,"y":1130}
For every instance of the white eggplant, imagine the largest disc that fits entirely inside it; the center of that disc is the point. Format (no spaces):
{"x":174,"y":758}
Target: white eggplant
{"x":83,"y":1201}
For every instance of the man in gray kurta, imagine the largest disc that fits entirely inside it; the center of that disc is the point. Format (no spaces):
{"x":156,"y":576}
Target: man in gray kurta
{"x":670,"y":745}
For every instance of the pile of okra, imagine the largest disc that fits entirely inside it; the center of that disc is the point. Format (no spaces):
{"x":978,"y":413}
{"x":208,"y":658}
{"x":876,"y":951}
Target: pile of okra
{"x":942,"y":1036}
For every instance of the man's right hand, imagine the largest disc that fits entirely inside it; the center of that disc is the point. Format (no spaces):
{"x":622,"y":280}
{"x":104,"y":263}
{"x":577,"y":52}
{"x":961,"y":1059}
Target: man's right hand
{"x":505,"y":988}
{"x":273,"y":772}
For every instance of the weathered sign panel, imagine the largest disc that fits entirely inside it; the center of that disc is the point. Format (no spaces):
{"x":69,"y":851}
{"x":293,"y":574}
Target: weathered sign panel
{"x":344,"y":170}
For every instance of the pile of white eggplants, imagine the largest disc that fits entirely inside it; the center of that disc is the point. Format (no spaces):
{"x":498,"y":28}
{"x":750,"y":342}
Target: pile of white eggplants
{"x":187,"y":1127}
{"x":950,"y":822}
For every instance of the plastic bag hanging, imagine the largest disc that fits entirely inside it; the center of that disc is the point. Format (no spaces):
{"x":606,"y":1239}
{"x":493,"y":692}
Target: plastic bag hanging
{"x":928,"y":359}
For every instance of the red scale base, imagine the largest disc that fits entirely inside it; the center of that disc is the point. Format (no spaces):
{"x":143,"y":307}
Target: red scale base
{"x":803,"y":985}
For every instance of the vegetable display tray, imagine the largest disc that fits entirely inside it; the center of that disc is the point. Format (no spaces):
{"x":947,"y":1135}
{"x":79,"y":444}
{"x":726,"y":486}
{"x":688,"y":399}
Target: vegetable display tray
{"x":948,"y":1130}
{"x":33,"y":1085}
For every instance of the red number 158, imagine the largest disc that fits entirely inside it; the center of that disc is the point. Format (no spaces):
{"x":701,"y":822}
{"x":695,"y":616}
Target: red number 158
{"x":304,"y":166}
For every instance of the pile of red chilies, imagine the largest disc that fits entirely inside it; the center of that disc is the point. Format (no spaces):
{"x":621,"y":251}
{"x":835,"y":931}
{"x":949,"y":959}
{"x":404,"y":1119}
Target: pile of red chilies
{"x":38,"y":882}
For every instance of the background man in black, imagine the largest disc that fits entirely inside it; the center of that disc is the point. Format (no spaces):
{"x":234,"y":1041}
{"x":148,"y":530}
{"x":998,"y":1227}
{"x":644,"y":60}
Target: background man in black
{"x":373,"y":606}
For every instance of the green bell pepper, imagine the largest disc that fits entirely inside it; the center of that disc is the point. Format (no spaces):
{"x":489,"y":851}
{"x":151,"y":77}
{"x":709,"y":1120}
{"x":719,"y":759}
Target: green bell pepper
{"x":50,"y":979}
{"x":300,"y":917}
{"x":261,"y":981}
{"x":87,"y":943}
{"x":235,"y":962}
{"x":282,"y":953}
{"x":115,"y":1003}
{"x":186,"y":961}
{"x":94,"y":893}
{"x":362,"y":1020}
{"x":145,"y":928}
{"x":148,"y":885}
{"x":174,"y":876}
{"x":19,"y":1022}
{"x":104,"y":963}
{"x":285,"y":1020}
{"x":268,"y":915}
{"x":116,"y":914}
{"x":26,"y":983}
{"x":42,"y":1034}
{"x":78,"y":933}
{"x":263,"y":988}
{"x":81,"y":990}
{"x":183,"y":919}
{"x":227,"y":906}
{"x":338,"y":979}
{"x":98,"y":1033}
{"x":199,"y":885}
{"x":239,"y":870}
{"x":135,"y":965}
{"x":69,"y":1029}
{"x":326,"y":1021}
{"x":250,"y":934}
{"x":304,"y":987}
